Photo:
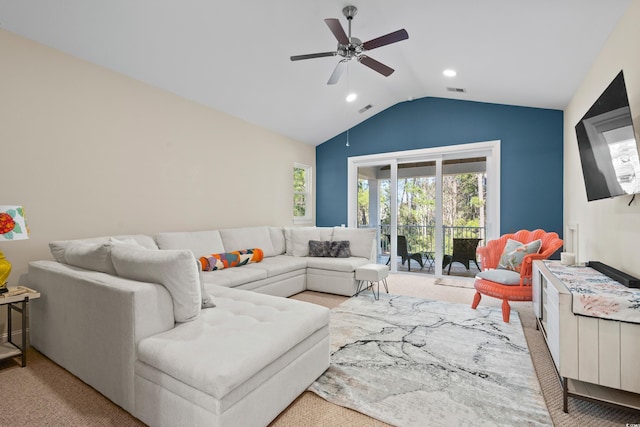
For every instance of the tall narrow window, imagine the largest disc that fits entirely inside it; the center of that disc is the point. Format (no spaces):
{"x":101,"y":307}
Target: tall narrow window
{"x":301,"y":193}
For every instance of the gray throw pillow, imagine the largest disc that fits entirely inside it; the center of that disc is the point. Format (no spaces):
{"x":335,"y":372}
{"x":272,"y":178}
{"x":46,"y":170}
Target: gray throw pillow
{"x":340,"y":249}
{"x":328,"y":248}
{"x":319,"y":248}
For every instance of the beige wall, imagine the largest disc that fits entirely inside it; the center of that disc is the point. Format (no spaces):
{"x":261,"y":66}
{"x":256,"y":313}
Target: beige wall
{"x":609,"y":230}
{"x":89,"y":152}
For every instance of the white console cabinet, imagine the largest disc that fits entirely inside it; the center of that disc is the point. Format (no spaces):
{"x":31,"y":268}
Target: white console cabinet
{"x":596,"y":359}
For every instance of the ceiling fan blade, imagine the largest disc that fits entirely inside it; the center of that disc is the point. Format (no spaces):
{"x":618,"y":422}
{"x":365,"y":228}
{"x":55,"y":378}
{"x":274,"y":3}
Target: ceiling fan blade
{"x":337,"y":30}
{"x":375,"y":65}
{"x":313,"y":55}
{"x":337,"y":72}
{"x":396,"y":36}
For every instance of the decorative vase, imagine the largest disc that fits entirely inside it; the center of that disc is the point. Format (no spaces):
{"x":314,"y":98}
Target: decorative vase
{"x":5,"y":270}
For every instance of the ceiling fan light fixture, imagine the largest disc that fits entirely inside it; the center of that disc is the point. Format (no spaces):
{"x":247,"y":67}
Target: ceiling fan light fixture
{"x":353,"y":48}
{"x":351,"y":97}
{"x":449,"y":72}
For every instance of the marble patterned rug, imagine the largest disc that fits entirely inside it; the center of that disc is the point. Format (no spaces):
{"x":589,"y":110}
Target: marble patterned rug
{"x":415,"y":362}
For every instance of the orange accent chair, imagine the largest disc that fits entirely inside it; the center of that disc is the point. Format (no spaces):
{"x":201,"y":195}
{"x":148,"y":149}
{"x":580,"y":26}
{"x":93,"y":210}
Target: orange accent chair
{"x":490,"y":258}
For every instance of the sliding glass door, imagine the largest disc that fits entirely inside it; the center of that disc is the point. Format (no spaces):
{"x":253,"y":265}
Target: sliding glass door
{"x":427,"y":202}
{"x":375,"y":206}
{"x":464,"y":193}
{"x":417,"y":215}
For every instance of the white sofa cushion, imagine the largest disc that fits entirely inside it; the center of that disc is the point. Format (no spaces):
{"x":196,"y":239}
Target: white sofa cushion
{"x":201,"y":243}
{"x":176,"y":270}
{"x":230,"y":344}
{"x":90,"y":256}
{"x":235,"y":239}
{"x":280,"y":264}
{"x":297,"y":238}
{"x":277,"y":240}
{"x":360,"y":239}
{"x":232,"y":277}
{"x":348,"y":265}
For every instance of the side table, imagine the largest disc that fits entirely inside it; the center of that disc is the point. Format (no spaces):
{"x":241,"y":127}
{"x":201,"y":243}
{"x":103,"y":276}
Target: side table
{"x":430,"y":260}
{"x":18,"y":302}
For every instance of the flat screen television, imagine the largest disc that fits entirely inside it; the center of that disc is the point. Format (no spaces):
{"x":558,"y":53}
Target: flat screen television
{"x":607,"y":145}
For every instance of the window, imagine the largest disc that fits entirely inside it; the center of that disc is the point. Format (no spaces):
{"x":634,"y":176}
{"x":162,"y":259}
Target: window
{"x":301,"y":193}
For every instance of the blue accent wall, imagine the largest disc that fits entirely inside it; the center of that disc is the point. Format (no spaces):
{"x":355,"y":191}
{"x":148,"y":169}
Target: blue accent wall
{"x":531,"y":154}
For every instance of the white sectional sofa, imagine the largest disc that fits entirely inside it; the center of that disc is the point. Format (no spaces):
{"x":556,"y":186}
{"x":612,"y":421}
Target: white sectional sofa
{"x":132,"y":316}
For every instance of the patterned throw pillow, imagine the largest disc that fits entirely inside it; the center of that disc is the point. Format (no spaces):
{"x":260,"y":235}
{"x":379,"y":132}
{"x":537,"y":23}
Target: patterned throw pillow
{"x":230,"y":259}
{"x":340,"y":249}
{"x":319,"y":248}
{"x":328,"y":248}
{"x":514,"y":252}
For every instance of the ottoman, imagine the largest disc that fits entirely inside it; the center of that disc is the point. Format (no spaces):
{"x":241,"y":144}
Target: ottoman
{"x":370,"y":274}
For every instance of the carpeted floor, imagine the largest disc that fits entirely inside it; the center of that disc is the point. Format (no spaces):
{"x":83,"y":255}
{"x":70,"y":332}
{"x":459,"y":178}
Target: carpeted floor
{"x":45,"y":394}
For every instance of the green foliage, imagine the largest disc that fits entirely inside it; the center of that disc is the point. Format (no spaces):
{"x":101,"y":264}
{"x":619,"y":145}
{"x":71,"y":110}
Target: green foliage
{"x":363,"y":202}
{"x":299,"y":205}
{"x":299,"y":180}
{"x":299,"y":192}
{"x":463,"y":206}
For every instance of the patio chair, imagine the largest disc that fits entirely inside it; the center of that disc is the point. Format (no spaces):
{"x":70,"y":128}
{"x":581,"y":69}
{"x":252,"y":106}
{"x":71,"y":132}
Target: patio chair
{"x":403,"y":252}
{"x":464,"y":250}
{"x":507,"y":266}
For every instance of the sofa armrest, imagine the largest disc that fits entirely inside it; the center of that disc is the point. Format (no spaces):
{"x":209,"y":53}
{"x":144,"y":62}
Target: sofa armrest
{"x":90,"y":323}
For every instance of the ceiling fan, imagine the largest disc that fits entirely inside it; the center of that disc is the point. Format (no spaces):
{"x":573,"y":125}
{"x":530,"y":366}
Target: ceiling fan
{"x":351,"y":47}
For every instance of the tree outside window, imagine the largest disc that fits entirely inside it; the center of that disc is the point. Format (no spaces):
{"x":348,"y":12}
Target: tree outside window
{"x":301,"y":193}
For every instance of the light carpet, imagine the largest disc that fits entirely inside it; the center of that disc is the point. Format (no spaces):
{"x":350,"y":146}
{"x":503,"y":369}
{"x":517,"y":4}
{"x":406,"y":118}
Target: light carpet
{"x":410,"y":361}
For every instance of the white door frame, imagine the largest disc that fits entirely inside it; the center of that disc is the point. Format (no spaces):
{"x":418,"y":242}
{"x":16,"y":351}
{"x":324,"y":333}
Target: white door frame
{"x":488,"y":149}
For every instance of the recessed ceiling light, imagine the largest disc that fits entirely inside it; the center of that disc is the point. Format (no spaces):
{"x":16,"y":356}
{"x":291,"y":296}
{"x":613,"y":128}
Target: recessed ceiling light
{"x":449,"y":73}
{"x":351,"y":97}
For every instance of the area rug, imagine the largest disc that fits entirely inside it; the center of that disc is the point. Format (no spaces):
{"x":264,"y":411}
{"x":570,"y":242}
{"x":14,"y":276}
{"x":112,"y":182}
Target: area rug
{"x":415,"y":362}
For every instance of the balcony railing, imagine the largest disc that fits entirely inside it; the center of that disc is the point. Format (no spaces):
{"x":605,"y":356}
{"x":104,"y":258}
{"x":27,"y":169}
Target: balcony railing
{"x":422,"y":238}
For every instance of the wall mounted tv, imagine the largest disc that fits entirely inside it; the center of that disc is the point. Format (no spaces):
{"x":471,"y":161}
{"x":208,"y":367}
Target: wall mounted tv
{"x":607,"y":145}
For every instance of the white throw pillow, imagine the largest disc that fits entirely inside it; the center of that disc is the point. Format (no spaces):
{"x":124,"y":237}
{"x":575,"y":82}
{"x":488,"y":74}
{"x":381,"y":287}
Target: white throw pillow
{"x":59,"y":247}
{"x":127,"y":241}
{"x":91,"y":256}
{"x":176,"y":270}
{"x":360,"y":239}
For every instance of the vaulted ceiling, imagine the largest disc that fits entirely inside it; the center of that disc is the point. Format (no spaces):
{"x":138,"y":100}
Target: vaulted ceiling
{"x":234,"y":55}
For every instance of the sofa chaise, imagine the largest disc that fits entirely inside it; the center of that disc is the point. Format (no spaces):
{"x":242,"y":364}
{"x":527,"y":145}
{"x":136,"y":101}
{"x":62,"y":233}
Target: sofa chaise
{"x":136,"y":318}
